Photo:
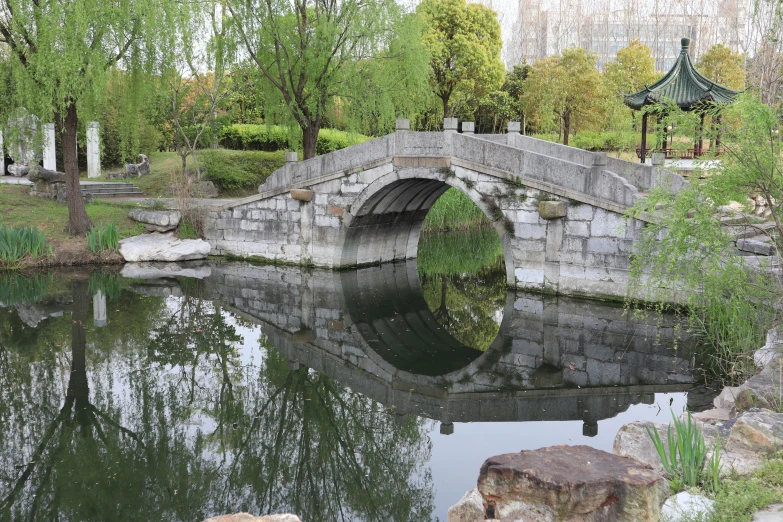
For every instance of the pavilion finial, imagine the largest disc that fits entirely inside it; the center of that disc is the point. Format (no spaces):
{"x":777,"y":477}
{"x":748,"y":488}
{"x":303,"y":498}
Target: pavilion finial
{"x":686,"y":43}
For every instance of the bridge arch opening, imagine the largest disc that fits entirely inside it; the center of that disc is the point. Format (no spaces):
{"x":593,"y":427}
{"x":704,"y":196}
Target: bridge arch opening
{"x":459,"y":270}
{"x":386,"y":220}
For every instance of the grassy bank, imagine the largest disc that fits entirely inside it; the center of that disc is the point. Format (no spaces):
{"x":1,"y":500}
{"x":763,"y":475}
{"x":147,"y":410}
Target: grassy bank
{"x":454,"y":211}
{"x":235,"y":173}
{"x":51,"y":218}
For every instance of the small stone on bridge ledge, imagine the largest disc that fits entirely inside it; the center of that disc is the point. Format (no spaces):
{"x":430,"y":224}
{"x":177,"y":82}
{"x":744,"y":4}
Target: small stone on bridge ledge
{"x":302,"y":194}
{"x":552,"y":209}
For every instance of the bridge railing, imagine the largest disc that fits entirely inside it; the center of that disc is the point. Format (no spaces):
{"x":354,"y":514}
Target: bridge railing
{"x":572,"y":179}
{"x":642,"y":176}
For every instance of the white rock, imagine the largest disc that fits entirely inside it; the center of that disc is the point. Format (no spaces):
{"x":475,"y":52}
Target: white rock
{"x":685,"y":506}
{"x":163,"y":270}
{"x":770,"y":350}
{"x":162,"y":247}
{"x":470,"y":508}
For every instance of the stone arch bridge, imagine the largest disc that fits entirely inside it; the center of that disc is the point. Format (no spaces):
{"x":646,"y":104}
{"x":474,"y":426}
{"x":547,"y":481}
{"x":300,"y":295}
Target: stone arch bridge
{"x":558,"y":210}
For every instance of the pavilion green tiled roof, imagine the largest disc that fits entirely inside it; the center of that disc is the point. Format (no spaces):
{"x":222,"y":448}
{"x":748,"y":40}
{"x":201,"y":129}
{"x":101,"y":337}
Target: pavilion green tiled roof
{"x":683,"y":84}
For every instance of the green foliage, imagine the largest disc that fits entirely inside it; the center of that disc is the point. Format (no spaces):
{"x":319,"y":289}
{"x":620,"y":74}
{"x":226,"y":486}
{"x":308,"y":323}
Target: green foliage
{"x":186,"y":230}
{"x":605,"y":141}
{"x":454,"y":211}
{"x":18,"y":242}
{"x":739,"y":498}
{"x":231,"y":170}
{"x":364,"y":53}
{"x":464,"y":43}
{"x":685,"y":256}
{"x":568,"y":86}
{"x":275,"y":138}
{"x":684,"y":455}
{"x":102,"y":239}
{"x":723,"y":66}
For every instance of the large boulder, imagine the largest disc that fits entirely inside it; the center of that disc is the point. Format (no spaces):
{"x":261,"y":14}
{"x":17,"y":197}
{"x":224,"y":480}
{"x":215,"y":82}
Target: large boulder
{"x":745,"y":442}
{"x":162,"y":247}
{"x":470,"y":508}
{"x":570,"y":483}
{"x":156,"y":220}
{"x":763,"y":390}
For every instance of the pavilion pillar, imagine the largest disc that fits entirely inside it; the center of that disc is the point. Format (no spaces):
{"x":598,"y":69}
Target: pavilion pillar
{"x":717,"y":134}
{"x":644,"y":138}
{"x":701,"y":135}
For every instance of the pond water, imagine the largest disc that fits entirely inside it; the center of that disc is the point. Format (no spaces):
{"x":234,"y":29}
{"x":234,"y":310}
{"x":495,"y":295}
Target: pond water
{"x":177,"y":393}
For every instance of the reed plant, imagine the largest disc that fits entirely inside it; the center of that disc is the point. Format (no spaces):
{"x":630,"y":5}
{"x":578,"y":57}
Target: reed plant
{"x":684,"y":455}
{"x":18,"y":242}
{"x":454,"y":211}
{"x":101,"y":239}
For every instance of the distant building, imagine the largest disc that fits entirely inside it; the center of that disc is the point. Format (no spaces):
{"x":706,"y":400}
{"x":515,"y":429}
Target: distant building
{"x":546,"y":27}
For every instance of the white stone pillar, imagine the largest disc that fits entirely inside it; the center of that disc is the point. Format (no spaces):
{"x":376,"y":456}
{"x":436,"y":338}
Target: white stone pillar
{"x":468,"y":127}
{"x":99,"y":309}
{"x":2,"y":156}
{"x":450,"y":124}
{"x":49,"y":150}
{"x":93,"y":150}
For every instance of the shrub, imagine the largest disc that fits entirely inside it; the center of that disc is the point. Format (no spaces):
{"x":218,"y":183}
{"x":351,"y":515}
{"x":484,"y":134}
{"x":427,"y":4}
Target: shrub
{"x":18,"y":242}
{"x":101,"y":239}
{"x":271,"y":138}
{"x":231,"y":170}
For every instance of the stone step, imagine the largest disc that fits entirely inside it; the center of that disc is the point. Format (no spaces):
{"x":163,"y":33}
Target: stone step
{"x":118,"y":195}
{"x":109,"y":190}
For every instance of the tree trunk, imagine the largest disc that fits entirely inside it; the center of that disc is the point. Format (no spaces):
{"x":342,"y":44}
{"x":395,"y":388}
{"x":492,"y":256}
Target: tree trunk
{"x":566,"y":129}
{"x":309,"y":139}
{"x":78,"y":220}
{"x":445,"y":99}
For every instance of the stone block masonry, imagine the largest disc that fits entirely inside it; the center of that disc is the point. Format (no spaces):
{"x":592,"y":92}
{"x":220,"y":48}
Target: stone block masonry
{"x":366,"y":205}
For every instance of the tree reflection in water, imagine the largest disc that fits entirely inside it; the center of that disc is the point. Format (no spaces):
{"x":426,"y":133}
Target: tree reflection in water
{"x":463,"y":280}
{"x":167,"y":413}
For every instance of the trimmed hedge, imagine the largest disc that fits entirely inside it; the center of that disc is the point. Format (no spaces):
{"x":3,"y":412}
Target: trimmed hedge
{"x":232,"y":170}
{"x":598,"y":141}
{"x":274,"y":138}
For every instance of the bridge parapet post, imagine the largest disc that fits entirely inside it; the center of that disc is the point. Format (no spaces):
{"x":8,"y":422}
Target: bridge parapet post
{"x":468,"y":127}
{"x":403,"y":124}
{"x":514,"y":128}
{"x":450,"y":124}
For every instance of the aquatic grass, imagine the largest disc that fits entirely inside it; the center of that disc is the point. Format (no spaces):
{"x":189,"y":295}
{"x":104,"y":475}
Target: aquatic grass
{"x":459,"y":252}
{"x":684,"y":454}
{"x":101,"y":239}
{"x":454,"y":211}
{"x":18,"y":242}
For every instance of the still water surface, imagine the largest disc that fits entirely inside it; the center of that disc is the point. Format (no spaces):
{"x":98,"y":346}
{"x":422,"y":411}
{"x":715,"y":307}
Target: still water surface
{"x":370,"y":395}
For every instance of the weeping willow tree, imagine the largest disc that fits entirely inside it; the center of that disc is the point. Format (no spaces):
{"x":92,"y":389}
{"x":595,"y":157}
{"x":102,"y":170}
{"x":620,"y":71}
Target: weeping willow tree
{"x":60,"y":56}
{"x":366,"y":54}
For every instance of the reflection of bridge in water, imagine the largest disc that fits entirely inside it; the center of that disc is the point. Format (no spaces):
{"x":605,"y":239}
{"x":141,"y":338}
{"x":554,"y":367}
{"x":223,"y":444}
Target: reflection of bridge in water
{"x":370,"y":329}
